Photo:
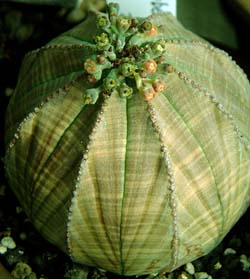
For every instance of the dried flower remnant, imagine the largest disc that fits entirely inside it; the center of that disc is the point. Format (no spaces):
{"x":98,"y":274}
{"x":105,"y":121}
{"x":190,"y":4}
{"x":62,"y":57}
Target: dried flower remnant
{"x":90,"y":66}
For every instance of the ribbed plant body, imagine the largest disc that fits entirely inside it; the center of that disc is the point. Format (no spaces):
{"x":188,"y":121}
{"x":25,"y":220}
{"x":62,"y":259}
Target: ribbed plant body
{"x":128,"y":143}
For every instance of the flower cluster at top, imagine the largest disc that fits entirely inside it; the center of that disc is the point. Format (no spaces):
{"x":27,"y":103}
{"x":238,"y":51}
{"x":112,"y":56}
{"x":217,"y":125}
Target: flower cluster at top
{"x":128,"y":53}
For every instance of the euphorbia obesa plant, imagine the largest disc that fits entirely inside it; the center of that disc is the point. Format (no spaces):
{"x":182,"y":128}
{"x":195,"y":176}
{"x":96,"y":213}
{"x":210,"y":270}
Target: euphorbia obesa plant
{"x":128,"y":143}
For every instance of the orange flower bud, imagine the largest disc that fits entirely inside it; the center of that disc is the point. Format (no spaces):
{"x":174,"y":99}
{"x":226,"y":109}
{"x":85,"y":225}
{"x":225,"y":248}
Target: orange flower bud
{"x":153,"y":31}
{"x":150,"y":66}
{"x":159,"y":86}
{"x":148,"y":93}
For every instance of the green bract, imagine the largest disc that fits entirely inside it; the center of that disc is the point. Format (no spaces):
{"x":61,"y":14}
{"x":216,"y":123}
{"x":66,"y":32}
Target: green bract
{"x":127,"y":143}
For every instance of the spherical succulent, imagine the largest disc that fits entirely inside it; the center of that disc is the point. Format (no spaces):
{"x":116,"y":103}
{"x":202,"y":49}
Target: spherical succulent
{"x":128,"y":143}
